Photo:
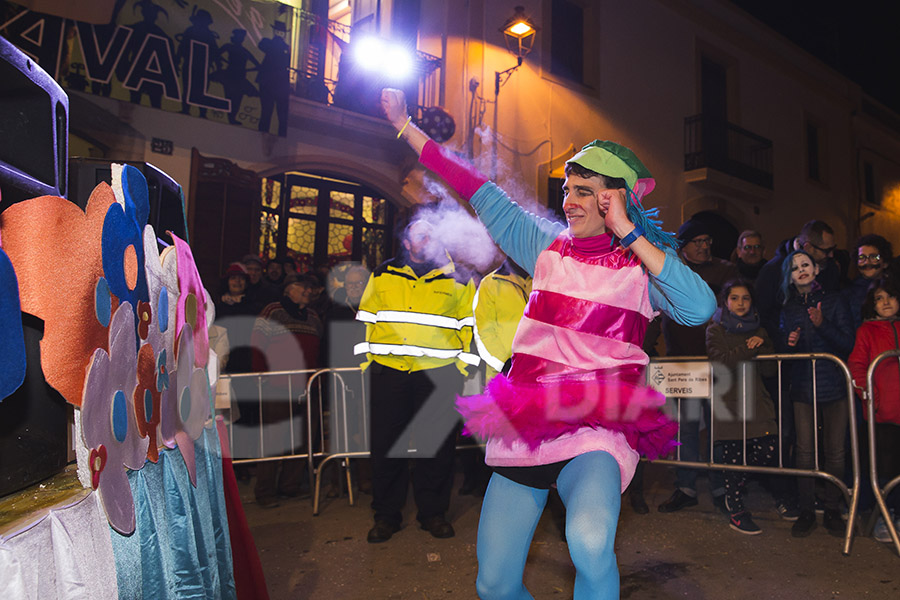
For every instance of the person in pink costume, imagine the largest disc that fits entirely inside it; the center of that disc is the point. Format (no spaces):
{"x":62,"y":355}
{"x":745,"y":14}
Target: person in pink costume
{"x":573,"y":411}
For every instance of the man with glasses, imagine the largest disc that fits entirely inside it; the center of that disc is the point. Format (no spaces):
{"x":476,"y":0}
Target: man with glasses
{"x":873,"y":254}
{"x":748,"y":255}
{"x":696,"y":252}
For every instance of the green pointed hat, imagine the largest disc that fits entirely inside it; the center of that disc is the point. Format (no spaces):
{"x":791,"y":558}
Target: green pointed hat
{"x":615,"y":160}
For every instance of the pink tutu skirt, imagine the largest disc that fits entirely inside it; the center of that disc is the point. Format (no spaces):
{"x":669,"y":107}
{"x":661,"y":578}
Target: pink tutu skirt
{"x":540,"y":411}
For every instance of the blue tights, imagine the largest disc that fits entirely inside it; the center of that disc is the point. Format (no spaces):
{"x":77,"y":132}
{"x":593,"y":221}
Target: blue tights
{"x":589,"y":486}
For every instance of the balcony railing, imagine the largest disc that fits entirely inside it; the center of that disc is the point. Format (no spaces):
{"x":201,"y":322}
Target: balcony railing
{"x":723,"y":146}
{"x":324,"y":73}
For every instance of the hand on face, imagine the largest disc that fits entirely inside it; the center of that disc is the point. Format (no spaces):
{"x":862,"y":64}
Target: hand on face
{"x":612,"y":206}
{"x":393,"y":103}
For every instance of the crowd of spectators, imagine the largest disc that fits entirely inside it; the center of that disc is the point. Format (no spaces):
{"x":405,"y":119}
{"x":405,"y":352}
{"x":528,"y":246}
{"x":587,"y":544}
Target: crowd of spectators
{"x":805,"y":298}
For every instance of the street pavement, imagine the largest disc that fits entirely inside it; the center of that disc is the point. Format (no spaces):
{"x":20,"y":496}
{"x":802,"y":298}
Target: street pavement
{"x":689,"y":554}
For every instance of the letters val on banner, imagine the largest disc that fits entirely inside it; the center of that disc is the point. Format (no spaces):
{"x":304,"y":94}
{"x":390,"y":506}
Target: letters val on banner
{"x":680,"y":379}
{"x":227,"y":62}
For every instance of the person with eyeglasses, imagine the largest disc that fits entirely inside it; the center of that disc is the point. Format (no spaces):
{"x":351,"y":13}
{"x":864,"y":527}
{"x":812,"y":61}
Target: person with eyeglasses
{"x":748,"y":255}
{"x":696,"y":252}
{"x":873,"y":254}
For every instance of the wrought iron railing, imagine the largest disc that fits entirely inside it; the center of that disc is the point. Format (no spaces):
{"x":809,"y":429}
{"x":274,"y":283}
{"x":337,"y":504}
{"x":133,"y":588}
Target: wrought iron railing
{"x":718,"y":144}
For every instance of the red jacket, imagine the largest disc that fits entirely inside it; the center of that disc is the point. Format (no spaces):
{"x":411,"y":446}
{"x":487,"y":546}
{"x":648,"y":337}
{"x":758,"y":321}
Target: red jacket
{"x":873,"y":338}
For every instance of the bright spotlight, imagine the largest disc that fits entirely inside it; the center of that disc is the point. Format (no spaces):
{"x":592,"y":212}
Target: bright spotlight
{"x":375,"y":54}
{"x":369,"y":53}
{"x":398,"y":63}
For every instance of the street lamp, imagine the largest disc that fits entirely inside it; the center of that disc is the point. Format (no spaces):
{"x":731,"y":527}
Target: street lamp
{"x":518,"y":32}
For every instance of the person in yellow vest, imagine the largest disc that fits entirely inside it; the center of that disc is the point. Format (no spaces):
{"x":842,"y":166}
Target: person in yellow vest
{"x":498,"y":308}
{"x":499,"y":305}
{"x":418,"y":314}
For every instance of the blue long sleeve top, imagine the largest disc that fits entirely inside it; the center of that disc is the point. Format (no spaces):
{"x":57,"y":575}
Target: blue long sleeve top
{"x":522,"y":235}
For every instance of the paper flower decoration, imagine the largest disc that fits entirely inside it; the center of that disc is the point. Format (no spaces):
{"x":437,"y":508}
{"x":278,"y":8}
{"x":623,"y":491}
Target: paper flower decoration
{"x":12,"y":340}
{"x":108,"y":420}
{"x":162,"y":285}
{"x":55,"y":248}
{"x":191,"y":302}
{"x":191,"y":402}
{"x":122,"y":241}
{"x":97,"y":463}
{"x":147,"y":398}
{"x":144,"y":316}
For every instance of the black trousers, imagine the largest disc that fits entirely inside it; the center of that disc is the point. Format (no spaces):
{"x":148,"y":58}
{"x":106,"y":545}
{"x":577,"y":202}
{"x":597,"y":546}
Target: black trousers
{"x":413,"y":410}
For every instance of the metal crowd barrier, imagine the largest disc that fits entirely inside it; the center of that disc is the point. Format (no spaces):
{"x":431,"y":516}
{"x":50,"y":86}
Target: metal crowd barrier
{"x":293,"y":402}
{"x":880,"y":492}
{"x":850,"y":493}
{"x":338,"y":385}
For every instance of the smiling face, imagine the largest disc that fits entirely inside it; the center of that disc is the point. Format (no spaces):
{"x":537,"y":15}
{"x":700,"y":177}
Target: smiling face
{"x":237,"y":284}
{"x":585,"y":217}
{"x":886,"y":306}
{"x":739,"y":301}
{"x":803,"y":272}
{"x":869,"y":262}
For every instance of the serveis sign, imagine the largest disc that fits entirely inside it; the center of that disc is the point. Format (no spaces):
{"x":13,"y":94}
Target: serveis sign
{"x":681,"y":379}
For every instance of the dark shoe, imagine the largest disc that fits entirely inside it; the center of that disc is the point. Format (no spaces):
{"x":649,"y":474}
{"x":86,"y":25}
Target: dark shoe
{"x":381,"y":532}
{"x":677,"y":501}
{"x":743,"y":523}
{"x":787,"y":511}
{"x":268,"y":502}
{"x":719,"y":502}
{"x":833,"y":522}
{"x":638,"y":504}
{"x":439,"y":527}
{"x":804,"y":524}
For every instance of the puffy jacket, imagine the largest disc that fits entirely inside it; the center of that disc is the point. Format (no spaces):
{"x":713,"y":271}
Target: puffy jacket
{"x":417,"y":322}
{"x":683,"y":340}
{"x":498,"y":308}
{"x":730,"y":351}
{"x":834,"y":336}
{"x":873,"y":338}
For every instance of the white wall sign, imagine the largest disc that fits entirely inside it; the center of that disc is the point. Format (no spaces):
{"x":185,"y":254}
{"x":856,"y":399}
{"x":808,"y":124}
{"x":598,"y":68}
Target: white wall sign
{"x":681,"y":379}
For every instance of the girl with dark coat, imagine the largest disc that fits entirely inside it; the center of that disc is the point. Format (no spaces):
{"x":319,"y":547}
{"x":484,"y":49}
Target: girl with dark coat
{"x":813,"y":320}
{"x":733,"y":338}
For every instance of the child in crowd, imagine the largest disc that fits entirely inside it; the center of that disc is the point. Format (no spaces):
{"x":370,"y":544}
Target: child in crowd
{"x":733,"y":338}
{"x":814,"y":320}
{"x":879,"y":332}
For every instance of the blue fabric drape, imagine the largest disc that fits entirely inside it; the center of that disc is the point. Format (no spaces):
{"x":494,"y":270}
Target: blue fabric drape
{"x":180,"y":547}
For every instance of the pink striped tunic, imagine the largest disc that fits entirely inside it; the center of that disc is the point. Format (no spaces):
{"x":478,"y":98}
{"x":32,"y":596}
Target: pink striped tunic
{"x":576,"y":382}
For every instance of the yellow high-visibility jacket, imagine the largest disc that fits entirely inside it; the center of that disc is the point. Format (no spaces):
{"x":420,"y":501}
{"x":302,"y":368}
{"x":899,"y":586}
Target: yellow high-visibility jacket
{"x":498,"y":308}
{"x":415,"y":323}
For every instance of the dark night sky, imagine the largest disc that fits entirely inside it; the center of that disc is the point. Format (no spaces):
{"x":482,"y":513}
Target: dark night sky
{"x":859,"y":38}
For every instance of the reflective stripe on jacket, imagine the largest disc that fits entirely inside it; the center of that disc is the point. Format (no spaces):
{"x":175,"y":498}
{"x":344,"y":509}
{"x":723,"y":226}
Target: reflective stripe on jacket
{"x":498,"y":307}
{"x":415,"y":323}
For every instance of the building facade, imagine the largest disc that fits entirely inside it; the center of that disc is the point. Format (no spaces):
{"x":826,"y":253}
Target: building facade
{"x":731,"y":118}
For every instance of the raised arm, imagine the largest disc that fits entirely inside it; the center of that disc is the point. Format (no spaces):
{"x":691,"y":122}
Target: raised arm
{"x":520,"y":234}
